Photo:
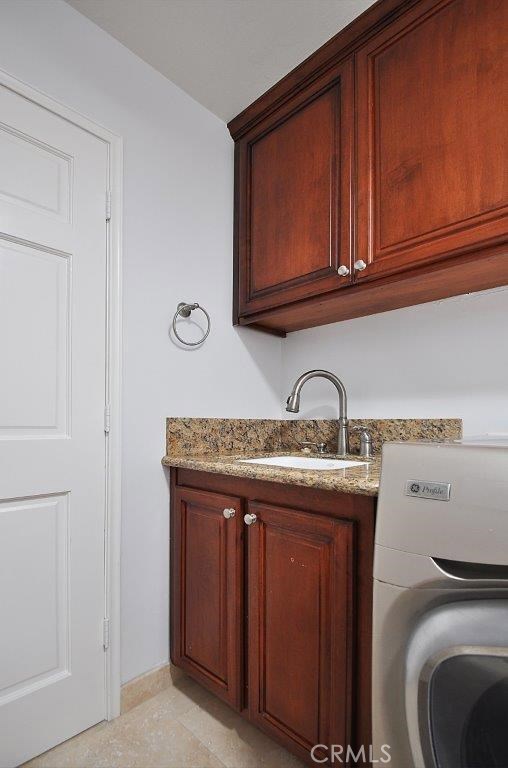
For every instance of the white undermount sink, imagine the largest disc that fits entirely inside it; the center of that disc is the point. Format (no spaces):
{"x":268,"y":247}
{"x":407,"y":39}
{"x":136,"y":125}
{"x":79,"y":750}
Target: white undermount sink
{"x":304,"y":462}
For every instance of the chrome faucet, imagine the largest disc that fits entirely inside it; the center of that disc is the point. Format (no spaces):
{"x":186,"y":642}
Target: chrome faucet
{"x":293,"y":404}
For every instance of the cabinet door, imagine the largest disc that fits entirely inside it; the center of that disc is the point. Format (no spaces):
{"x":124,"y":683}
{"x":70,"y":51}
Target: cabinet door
{"x":300,"y":626}
{"x":432,"y":135}
{"x":207,"y":589}
{"x":293,"y":190}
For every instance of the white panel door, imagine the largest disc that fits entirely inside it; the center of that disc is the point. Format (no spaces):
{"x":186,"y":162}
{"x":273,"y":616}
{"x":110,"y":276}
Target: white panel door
{"x":53,"y":180}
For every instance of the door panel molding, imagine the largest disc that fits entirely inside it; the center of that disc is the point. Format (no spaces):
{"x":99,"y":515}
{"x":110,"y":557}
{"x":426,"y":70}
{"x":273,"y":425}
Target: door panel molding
{"x":33,"y":280}
{"x":16,"y":142}
{"x":39,"y":566}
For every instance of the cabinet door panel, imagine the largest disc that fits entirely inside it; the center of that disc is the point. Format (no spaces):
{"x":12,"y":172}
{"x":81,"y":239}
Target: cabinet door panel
{"x":207,"y":587}
{"x":300,"y":625}
{"x":432,"y":135}
{"x":290,"y":195}
{"x":294,"y":188}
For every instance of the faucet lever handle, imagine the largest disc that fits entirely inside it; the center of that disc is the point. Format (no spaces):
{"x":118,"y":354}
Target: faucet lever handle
{"x":365,"y":441}
{"x":320,"y":447}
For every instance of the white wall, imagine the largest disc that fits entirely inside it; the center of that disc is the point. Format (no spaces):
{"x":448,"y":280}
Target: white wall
{"x":177,"y":246}
{"x":444,"y":359}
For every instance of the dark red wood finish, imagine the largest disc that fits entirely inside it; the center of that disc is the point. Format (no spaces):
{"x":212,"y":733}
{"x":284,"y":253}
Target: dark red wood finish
{"x":327,"y":608}
{"x":432,"y":118}
{"x":429,"y":282}
{"x":300,"y":625}
{"x":207,"y":603}
{"x":428,"y":201}
{"x":294,"y":196}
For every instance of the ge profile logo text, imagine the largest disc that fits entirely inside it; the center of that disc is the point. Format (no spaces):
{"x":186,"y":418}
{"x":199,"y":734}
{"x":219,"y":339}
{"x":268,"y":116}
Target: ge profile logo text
{"x":415,"y":487}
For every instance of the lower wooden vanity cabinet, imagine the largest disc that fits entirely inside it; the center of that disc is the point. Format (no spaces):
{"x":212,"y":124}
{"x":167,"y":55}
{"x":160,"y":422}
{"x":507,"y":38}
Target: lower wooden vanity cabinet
{"x":273,"y":613}
{"x":207,"y":590}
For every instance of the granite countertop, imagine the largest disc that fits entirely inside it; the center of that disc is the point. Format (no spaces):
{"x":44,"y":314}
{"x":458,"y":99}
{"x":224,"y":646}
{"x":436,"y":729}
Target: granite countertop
{"x":363,"y":479}
{"x":216,"y":445}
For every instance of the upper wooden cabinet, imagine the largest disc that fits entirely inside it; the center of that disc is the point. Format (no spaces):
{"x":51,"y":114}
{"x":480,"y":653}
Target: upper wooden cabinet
{"x":433,"y":135}
{"x":383,"y":153}
{"x":294,"y":192}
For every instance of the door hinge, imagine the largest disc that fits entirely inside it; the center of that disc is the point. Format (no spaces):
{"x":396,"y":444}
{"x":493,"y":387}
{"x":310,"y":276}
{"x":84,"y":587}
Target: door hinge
{"x":107,"y":418}
{"x":108,"y":205}
{"x":105,"y":634}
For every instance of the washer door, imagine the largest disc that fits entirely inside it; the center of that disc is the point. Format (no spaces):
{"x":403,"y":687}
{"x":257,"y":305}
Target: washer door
{"x":457,"y":686}
{"x":468,"y":710}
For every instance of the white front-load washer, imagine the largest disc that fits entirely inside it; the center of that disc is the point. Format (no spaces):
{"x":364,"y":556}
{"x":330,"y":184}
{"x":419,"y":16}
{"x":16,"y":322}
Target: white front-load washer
{"x":440,"y":633}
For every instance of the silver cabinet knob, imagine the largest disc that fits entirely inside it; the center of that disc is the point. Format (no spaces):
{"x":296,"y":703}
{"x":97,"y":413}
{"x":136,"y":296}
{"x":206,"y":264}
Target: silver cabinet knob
{"x":229,"y":513}
{"x":343,"y":270}
{"x":360,"y":265}
{"x":249,"y":519}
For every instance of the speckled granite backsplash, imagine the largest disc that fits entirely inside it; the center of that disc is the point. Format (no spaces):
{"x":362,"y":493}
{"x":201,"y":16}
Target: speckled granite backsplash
{"x":232,"y":436}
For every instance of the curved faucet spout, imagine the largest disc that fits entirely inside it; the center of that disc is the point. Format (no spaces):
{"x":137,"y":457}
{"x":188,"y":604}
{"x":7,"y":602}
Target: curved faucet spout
{"x":293,"y":403}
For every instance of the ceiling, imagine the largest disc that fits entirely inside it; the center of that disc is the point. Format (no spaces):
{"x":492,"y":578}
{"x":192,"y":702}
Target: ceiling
{"x":223,"y":53}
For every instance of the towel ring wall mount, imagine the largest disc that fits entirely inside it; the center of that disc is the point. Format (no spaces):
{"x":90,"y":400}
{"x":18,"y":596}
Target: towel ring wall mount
{"x":184,"y":309}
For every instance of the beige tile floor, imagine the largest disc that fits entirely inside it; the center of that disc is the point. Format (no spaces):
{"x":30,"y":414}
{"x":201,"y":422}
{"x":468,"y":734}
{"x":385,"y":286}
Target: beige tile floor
{"x":182,"y":727}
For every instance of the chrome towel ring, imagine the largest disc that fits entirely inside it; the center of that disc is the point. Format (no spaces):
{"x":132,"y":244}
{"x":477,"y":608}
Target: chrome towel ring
{"x":184,"y":310}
